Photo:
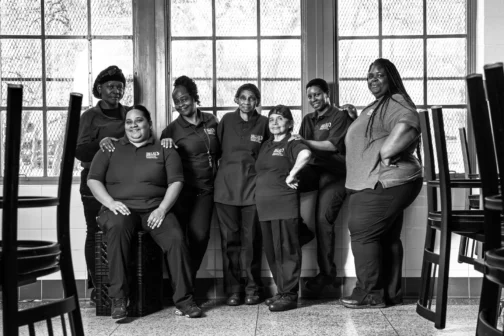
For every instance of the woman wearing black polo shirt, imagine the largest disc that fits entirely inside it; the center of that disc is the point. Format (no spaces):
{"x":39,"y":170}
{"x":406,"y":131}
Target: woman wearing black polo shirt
{"x":99,"y":127}
{"x":241,"y":134}
{"x":193,"y":134}
{"x":277,"y":200}
{"x":323,"y":131}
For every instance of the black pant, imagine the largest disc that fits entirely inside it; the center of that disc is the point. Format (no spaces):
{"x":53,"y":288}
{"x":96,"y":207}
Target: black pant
{"x":120,"y":230}
{"x":329,"y":185}
{"x":194,"y":209}
{"x":91,"y":209}
{"x":281,"y":245}
{"x":375,"y":224}
{"x":241,"y":247}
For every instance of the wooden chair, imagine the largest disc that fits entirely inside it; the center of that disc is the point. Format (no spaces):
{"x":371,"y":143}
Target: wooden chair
{"x":483,"y":119}
{"x":468,"y":247}
{"x":23,"y":261}
{"x":468,"y":223}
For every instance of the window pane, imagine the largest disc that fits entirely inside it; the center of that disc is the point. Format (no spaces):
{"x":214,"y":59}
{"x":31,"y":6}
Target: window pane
{"x":402,"y":17}
{"x":115,"y":52}
{"x":354,"y":92}
{"x":357,"y":17}
{"x":22,"y":64}
{"x":66,"y":70}
{"x":281,"y":92}
{"x":446,"y":17}
{"x":281,"y":58}
{"x":56,"y":127}
{"x":236,"y":59}
{"x":236,"y":18}
{"x":193,"y":17}
{"x":415,"y":90}
{"x":407,"y":55}
{"x":20,"y":17}
{"x":447,"y":92}
{"x":280,"y":17}
{"x":32,"y":144}
{"x":112,"y":17}
{"x":66,"y":17}
{"x":446,"y":57}
{"x":355,"y":56}
{"x":226,"y":90}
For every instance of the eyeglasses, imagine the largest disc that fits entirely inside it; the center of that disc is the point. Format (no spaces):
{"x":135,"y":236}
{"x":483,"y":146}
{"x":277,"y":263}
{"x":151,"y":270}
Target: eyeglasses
{"x":182,"y":100}
{"x":377,"y":75}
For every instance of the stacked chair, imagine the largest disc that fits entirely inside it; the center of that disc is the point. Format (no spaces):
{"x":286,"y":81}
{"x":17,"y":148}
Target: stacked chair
{"x":489,"y":140}
{"x":23,"y":261}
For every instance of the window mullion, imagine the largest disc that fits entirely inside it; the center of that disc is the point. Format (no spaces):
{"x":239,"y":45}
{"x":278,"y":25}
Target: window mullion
{"x":44,"y":90}
{"x":380,"y":28}
{"x":425,"y":52}
{"x":214,"y":59}
{"x":259,"y":79}
{"x":90,"y":53}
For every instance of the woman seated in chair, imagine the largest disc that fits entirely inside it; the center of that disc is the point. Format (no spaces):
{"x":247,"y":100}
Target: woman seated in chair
{"x":277,"y":200}
{"x":383,"y":178}
{"x":138,"y":183}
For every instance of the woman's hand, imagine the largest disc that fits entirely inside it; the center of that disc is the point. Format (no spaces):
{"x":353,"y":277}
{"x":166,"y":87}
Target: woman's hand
{"x":168,"y":143}
{"x":117,"y":206}
{"x":296,"y":137}
{"x":292,"y":182}
{"x":156,"y":218}
{"x":107,"y":143}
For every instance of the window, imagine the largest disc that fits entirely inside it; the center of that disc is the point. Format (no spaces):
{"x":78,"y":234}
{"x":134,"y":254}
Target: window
{"x":428,"y":42}
{"x":54,"y":47}
{"x":223,"y":44}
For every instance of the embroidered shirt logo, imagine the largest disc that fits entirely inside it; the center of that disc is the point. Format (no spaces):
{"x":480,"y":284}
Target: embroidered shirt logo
{"x":152,"y":155}
{"x":325,"y":127}
{"x":278,"y":152}
{"x":256,"y":138}
{"x":210,"y":131}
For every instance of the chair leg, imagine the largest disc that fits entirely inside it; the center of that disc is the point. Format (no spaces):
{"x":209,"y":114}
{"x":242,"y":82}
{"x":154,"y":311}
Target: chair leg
{"x":430,"y":239}
{"x":490,"y":301}
{"x":70,"y":289}
{"x":442,"y":284}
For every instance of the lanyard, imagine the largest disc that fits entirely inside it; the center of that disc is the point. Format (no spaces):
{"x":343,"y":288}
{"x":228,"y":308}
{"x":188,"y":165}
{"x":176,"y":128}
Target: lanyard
{"x":193,"y":128}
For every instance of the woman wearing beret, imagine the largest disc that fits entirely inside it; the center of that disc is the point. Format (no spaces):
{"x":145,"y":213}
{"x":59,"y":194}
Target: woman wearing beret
{"x":99,"y":127}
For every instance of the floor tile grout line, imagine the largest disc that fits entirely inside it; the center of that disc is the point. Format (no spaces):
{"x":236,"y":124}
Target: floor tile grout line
{"x":257,"y":321}
{"x":386,"y":318}
{"x":113,"y":331}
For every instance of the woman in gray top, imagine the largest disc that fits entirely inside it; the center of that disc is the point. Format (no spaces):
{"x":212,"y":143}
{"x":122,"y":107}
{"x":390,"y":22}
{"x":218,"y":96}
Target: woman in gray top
{"x":383,"y":178}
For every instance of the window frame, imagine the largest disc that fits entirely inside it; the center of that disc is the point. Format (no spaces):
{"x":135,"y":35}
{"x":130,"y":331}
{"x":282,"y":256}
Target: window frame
{"x":214,"y":109}
{"x":42,"y":180}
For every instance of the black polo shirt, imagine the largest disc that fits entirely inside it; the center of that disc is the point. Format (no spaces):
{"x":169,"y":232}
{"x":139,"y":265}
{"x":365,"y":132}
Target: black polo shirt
{"x":137,"y":176}
{"x":331,"y":126}
{"x":194,"y":142}
{"x":274,"y":198}
{"x":240,"y":143}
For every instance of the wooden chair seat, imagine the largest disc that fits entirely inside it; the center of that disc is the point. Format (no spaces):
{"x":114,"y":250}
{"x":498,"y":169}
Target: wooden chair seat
{"x":494,"y":202}
{"x":460,"y":221}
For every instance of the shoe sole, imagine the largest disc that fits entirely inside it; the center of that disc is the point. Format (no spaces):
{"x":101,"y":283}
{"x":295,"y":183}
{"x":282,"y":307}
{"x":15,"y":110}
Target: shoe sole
{"x":119,"y":317}
{"x":179,"y":313}
{"x":376,"y":306}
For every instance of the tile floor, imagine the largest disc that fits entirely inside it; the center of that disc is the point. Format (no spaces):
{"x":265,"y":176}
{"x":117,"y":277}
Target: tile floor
{"x":313,"y":317}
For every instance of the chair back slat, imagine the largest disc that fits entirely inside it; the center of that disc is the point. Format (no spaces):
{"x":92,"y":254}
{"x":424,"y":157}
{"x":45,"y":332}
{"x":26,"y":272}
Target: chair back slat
{"x":428,"y":159}
{"x":465,"y":152}
{"x":10,"y":205}
{"x":494,"y":74}
{"x":442,"y":161}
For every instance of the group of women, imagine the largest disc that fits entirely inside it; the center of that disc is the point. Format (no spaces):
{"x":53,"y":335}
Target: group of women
{"x":250,"y":169}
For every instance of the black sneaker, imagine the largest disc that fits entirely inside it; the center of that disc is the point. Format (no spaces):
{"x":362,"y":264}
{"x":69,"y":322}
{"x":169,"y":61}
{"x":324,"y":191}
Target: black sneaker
{"x":318,"y":283}
{"x":272,"y":299}
{"x":191,"y":311}
{"x":93,"y":298}
{"x":369,"y":302}
{"x":283,"y":304}
{"x":119,"y":309}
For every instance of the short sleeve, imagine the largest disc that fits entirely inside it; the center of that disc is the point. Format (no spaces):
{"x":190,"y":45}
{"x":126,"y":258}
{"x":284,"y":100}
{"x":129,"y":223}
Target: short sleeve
{"x":173,"y":166}
{"x":296,"y":147}
{"x":99,"y":166}
{"x":400,"y":112}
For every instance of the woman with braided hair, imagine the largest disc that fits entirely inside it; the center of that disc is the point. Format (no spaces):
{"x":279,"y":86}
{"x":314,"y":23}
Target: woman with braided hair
{"x":383,"y":178}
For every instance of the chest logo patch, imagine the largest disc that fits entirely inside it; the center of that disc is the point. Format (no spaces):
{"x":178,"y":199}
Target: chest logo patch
{"x":278,"y":152}
{"x":325,"y":127}
{"x":210,"y":131}
{"x":256,"y":138}
{"x":152,"y":155}
{"x":370,"y":112}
